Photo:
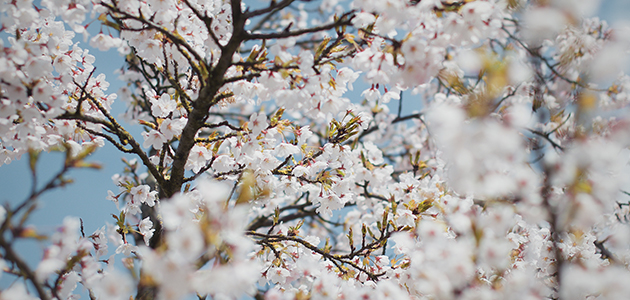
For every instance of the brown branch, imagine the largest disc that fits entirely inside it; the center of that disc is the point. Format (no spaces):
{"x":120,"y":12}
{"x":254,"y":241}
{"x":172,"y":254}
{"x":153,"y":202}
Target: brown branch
{"x":272,"y":8}
{"x":224,"y":123}
{"x":124,"y":136}
{"x":394,"y":121}
{"x":206,"y":99}
{"x":344,"y":20}
{"x":201,"y":171}
{"x":548,"y":64}
{"x":264,"y":221}
{"x":107,"y":137}
{"x":212,"y":140}
{"x":207,"y":21}
{"x":175,"y":39}
{"x":11,"y":256}
{"x":555,"y":234}
{"x":335,"y":259}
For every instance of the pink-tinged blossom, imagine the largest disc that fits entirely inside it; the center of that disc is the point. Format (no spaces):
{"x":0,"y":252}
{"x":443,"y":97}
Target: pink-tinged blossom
{"x":146,"y":229}
{"x":143,"y":194}
{"x":333,"y":105}
{"x":303,"y":134}
{"x":131,"y":207}
{"x":494,"y":253}
{"x":430,"y":230}
{"x":153,"y":138}
{"x":69,"y":283}
{"x":223,"y":163}
{"x":346,"y":76}
{"x":171,"y":128}
{"x":300,"y":171}
{"x":3,"y":265}
{"x":49,"y":265}
{"x":278,"y":275}
{"x":113,"y":197}
{"x":476,"y":168}
{"x":126,"y":249}
{"x":151,"y":50}
{"x":214,"y":193}
{"x":67,"y":235}
{"x":3,"y":214}
{"x":405,"y":218}
{"x":469,"y":193}
{"x":583,"y":282}
{"x":329,"y":203}
{"x":389,"y":95}
{"x":65,"y":127}
{"x":305,"y":62}
{"x":187,"y":243}
{"x":371,"y":94}
{"x":140,"y":193}
{"x":363,"y":19}
{"x":162,"y":106}
{"x":542,"y":23}
{"x":63,"y":64}
{"x":198,"y":158}
{"x":285,"y":149}
{"x":113,"y":285}
{"x":374,"y":154}
{"x":99,"y":241}
{"x":104,"y":42}
{"x":17,"y":290}
{"x":39,"y":65}
{"x":175,"y":211}
{"x":257,"y":123}
{"x":231,"y":280}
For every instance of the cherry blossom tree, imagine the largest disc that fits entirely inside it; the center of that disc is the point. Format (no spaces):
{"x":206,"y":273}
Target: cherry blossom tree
{"x":262,"y":173}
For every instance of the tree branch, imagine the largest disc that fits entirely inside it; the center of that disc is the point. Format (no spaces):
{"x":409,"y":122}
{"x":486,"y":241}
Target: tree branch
{"x":344,"y":20}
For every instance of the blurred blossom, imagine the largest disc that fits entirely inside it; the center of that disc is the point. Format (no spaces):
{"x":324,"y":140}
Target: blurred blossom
{"x":541,"y":23}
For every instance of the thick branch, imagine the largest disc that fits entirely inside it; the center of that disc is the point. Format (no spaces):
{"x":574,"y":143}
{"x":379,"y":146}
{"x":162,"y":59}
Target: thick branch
{"x":206,"y":99}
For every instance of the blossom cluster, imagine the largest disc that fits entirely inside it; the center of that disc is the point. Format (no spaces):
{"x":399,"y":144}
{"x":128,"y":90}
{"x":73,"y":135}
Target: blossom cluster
{"x":262,"y":172}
